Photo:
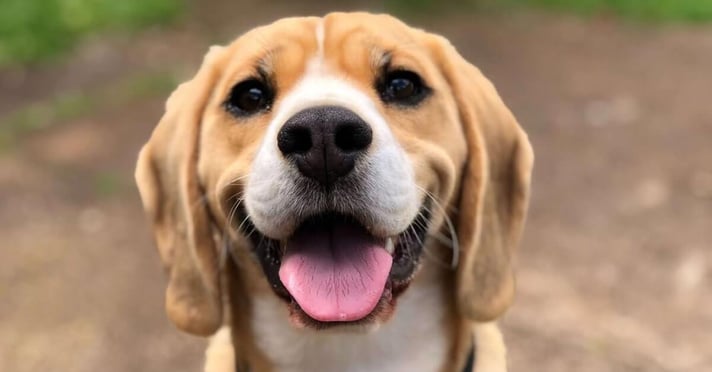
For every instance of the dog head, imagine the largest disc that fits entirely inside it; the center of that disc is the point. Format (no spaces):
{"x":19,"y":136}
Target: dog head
{"x":330,"y":152}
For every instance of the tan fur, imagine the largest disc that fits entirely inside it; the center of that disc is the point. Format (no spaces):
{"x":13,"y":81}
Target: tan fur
{"x":466,"y":148}
{"x":494,"y":189}
{"x":170,"y":190}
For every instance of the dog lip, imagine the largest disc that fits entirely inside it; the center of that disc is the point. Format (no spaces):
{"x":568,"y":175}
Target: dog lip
{"x":335,"y":268}
{"x":406,"y":253}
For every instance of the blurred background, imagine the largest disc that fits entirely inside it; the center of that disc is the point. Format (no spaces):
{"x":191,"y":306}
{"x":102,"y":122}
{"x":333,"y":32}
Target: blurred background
{"x":614,"y":268}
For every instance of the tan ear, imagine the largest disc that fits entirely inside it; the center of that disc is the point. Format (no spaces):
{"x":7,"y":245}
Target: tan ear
{"x":494,"y":191}
{"x":172,"y":196}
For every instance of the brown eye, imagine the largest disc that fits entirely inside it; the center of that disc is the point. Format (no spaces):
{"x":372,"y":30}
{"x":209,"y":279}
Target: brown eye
{"x":249,"y":97}
{"x":402,"y":87}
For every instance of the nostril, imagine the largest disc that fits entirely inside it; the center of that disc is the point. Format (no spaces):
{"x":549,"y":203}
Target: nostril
{"x":294,"y":140}
{"x":352,"y":136}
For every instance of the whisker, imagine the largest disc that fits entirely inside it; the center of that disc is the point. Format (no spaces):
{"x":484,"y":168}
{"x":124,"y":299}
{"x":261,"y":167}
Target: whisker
{"x":205,"y":197}
{"x":249,"y":233}
{"x":442,"y":239}
{"x":238,"y":197}
{"x":412,"y":236}
{"x":426,"y":251}
{"x":434,"y":259}
{"x":455,"y":244}
{"x":226,"y":233}
{"x":233,"y":213}
{"x":244,"y":220}
{"x":262,"y":239}
{"x":437,"y":235}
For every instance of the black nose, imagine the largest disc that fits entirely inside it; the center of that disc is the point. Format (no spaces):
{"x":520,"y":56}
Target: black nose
{"x":324,"y":141}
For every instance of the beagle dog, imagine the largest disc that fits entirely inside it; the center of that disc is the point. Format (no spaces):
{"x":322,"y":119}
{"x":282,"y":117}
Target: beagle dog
{"x":341,"y":193}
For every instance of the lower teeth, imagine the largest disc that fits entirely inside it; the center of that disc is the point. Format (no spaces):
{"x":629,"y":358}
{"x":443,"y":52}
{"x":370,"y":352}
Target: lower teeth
{"x":389,"y":246}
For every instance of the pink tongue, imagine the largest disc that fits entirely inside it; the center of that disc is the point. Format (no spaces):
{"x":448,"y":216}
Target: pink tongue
{"x":336,"y":274}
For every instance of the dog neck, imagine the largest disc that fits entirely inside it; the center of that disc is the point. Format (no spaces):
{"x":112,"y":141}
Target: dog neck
{"x":424,"y":334}
{"x":415,"y":339}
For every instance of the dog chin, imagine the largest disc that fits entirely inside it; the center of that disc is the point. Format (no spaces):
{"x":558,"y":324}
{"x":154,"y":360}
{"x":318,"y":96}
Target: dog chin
{"x":333,"y":274}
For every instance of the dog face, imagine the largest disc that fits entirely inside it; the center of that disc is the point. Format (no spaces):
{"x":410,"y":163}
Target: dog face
{"x":330,"y":152}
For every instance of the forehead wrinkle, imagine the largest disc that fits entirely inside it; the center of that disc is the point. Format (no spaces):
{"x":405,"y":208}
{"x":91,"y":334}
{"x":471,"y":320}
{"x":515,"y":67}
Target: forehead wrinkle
{"x":394,"y":59}
{"x":273,"y":43}
{"x":265,"y":63}
{"x":380,"y":49}
{"x":409,"y":57}
{"x":380,"y":58}
{"x":250,"y":50}
{"x":260,"y":66}
{"x":340,"y":34}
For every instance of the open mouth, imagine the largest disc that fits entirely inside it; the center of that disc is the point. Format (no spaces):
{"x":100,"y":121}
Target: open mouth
{"x":333,"y":271}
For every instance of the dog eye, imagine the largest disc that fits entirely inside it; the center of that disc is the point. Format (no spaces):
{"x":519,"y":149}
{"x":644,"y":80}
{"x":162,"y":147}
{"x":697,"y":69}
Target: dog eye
{"x":249,"y":97}
{"x":402,"y":87}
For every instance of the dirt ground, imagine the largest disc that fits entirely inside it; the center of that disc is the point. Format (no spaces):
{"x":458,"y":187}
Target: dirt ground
{"x":614,"y":271}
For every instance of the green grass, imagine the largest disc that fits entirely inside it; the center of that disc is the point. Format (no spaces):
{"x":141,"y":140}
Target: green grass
{"x":689,"y":11}
{"x":73,"y":105}
{"x":108,"y":183}
{"x":37,"y":30}
{"x":642,"y":10}
{"x":429,"y":7}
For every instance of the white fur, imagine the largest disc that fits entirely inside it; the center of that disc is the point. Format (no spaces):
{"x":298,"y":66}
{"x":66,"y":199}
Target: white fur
{"x":220,"y":355}
{"x":390,"y":196}
{"x":413,"y":340}
{"x":491,"y":353}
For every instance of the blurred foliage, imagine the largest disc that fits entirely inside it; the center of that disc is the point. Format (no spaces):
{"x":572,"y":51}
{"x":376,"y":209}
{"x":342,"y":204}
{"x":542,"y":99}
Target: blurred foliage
{"x":33,"y":30}
{"x":648,"y":10}
{"x":73,"y":105}
{"x":107,"y":183}
{"x":430,"y":7}
{"x":642,"y":10}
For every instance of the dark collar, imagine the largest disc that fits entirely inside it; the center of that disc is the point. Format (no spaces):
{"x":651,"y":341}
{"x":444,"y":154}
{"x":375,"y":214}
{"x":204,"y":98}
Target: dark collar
{"x":469,"y":365}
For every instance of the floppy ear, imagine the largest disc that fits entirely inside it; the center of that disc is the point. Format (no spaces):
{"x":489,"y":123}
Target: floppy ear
{"x":494,"y":190}
{"x":172,"y":196}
